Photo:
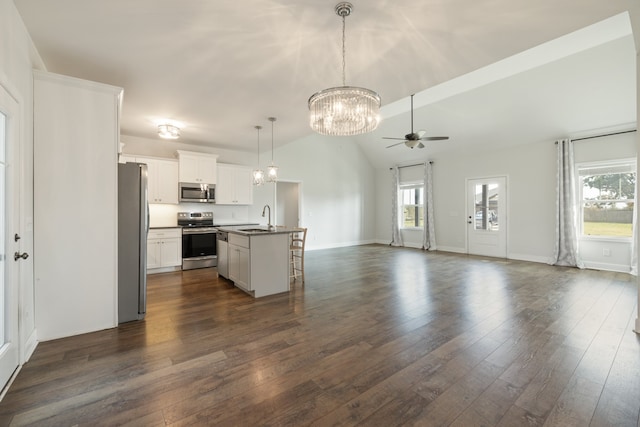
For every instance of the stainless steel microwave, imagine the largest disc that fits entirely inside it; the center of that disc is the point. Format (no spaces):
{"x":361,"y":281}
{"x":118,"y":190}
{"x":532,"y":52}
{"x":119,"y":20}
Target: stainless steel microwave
{"x":197,"y":193}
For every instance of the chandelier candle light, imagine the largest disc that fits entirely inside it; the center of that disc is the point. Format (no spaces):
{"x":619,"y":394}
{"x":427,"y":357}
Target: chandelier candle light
{"x":258,"y":174}
{"x":272,"y":170}
{"x":344,"y":110}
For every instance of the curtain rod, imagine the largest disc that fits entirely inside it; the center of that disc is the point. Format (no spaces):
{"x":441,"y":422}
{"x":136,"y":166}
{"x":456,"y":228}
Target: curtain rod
{"x":410,"y":166}
{"x":603,"y":135}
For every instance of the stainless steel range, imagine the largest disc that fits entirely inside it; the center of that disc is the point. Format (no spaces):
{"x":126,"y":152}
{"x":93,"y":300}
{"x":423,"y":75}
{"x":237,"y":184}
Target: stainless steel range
{"x":198,"y":240}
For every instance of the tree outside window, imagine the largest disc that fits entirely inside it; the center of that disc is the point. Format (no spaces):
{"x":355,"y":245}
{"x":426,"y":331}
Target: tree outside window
{"x":412,"y":205}
{"x":607,"y":192}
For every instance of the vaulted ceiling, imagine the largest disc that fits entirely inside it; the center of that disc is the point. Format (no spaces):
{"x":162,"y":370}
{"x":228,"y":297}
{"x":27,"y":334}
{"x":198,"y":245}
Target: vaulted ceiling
{"x":221,"y":67}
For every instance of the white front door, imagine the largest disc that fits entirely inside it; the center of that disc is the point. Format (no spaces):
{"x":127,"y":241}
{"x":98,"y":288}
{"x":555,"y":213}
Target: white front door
{"x":9,"y":224}
{"x":486,"y":217}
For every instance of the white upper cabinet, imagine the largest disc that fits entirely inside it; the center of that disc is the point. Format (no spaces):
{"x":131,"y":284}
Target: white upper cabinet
{"x":163,"y":178}
{"x":199,"y":168}
{"x":234,"y":185}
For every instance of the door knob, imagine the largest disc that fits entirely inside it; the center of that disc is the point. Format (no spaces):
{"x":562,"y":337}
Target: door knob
{"x":18,"y":255}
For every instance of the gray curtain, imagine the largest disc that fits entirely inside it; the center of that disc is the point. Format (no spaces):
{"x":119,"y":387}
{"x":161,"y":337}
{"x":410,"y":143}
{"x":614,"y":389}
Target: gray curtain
{"x":396,"y":235}
{"x":566,"y":245}
{"x":429,"y":232}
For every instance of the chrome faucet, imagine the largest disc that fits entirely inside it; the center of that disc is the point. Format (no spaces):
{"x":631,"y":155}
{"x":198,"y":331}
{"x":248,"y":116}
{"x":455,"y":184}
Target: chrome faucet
{"x":269,"y":226}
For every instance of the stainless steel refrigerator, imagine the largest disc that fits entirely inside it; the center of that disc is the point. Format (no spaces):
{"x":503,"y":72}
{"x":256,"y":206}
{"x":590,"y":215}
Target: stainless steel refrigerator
{"x":133,"y":227}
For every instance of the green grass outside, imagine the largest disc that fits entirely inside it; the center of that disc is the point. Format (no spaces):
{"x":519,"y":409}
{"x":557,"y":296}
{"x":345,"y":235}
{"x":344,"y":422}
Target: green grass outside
{"x":607,"y":229}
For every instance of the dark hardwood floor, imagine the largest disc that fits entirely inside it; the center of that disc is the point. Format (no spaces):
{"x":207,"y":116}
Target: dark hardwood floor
{"x":377,"y":336}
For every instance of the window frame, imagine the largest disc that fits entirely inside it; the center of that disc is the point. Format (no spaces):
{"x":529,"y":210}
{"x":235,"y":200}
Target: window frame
{"x":410,"y":186}
{"x":602,"y":164}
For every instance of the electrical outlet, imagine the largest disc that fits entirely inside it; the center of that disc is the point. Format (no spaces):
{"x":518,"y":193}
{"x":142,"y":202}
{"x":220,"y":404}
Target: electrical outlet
{"x":606,"y":252}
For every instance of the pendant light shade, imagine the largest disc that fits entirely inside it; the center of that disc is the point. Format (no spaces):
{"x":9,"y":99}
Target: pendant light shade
{"x":344,"y":110}
{"x":272,"y":170}
{"x":258,"y":174}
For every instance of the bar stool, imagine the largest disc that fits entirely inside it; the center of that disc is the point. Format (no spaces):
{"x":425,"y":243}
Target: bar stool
{"x":296,"y":251}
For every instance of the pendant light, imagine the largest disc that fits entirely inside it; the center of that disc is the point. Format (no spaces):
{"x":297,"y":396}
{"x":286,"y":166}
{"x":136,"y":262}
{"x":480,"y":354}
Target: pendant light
{"x":344,"y":110}
{"x":258,"y":174}
{"x":272,"y":170}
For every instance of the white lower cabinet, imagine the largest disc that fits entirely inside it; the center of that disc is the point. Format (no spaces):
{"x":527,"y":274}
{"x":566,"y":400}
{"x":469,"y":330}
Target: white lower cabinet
{"x":239,"y":258}
{"x":164,"y":249}
{"x":259,"y":264}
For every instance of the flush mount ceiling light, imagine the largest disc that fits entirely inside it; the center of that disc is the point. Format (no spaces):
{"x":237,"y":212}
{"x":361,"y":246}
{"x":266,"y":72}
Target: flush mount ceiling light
{"x":168,"y":131}
{"x":344,"y":110}
{"x":272,"y":170}
{"x":258,"y":174}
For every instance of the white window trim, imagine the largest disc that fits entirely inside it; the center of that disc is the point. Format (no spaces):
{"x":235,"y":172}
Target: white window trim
{"x":584,"y":165}
{"x":407,"y":185}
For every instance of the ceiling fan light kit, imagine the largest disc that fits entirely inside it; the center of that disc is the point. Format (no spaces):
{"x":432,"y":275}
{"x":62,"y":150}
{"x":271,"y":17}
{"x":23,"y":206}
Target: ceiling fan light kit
{"x":344,"y":110}
{"x":413,"y":139}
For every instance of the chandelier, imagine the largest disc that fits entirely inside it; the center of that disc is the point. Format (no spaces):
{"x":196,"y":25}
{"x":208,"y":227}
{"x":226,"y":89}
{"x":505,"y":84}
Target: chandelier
{"x":258,"y":174}
{"x":344,"y":110}
{"x":272,"y":170}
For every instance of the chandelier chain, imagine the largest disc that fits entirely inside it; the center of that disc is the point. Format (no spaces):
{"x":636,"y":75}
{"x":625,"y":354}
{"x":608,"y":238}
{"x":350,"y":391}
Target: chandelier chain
{"x":344,"y":52}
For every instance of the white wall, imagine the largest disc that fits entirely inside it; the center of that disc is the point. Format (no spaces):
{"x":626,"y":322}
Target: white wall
{"x":530,"y":172}
{"x":337,"y":190}
{"x":18,"y":57}
{"x":531,"y":186}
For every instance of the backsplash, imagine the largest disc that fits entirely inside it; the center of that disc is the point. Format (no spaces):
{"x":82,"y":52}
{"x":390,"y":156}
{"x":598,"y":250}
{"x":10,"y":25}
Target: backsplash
{"x":165,"y":215}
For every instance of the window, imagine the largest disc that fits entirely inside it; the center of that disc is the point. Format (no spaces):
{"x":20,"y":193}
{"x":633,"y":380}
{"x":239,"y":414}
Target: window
{"x":607,"y":194}
{"x":412,"y":205}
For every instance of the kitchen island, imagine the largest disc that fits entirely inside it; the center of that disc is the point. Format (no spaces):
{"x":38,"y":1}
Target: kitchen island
{"x":258,"y":259}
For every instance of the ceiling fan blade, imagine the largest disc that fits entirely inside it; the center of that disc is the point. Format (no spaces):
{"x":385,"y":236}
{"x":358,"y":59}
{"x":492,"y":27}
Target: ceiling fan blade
{"x":434,"y":138}
{"x":421,"y":133}
{"x":398,"y":139}
{"x":393,"y":145}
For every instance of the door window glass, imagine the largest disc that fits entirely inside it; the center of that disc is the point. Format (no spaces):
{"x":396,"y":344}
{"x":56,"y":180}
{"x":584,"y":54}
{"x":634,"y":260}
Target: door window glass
{"x":486,"y":207}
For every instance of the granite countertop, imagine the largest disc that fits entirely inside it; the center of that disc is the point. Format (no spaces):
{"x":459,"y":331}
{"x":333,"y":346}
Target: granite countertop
{"x":257,"y":230}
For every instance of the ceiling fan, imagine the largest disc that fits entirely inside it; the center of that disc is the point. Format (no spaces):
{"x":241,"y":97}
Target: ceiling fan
{"x":413,"y":139}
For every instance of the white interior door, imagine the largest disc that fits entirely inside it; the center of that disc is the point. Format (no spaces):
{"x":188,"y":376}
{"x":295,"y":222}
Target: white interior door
{"x":9,"y":222}
{"x":486,"y":217}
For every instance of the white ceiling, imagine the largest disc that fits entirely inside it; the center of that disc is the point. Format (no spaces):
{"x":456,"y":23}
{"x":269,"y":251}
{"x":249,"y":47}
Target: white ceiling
{"x":221,"y":67}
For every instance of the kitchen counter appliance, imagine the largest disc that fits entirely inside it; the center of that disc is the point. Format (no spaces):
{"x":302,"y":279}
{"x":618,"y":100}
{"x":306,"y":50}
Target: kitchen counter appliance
{"x":198,"y":193}
{"x":198,"y":240}
{"x":223,"y":257}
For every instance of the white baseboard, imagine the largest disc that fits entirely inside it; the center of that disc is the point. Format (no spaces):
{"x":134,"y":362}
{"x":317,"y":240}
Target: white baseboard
{"x":530,"y":258}
{"x":619,"y":268}
{"x":453,"y":249}
{"x":338,"y":245}
{"x":29,"y":346}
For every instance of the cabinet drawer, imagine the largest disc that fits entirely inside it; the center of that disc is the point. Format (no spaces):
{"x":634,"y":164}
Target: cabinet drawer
{"x":239,"y":240}
{"x":164,"y":233}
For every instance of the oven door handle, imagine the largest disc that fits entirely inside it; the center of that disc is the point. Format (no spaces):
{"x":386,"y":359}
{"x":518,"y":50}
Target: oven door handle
{"x":196,"y":231}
